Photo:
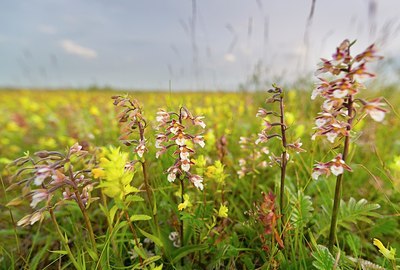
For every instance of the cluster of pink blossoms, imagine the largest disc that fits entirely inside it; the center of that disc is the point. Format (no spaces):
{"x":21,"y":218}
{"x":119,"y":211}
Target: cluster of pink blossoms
{"x":49,"y":173}
{"x":254,"y":158}
{"x":340,"y":105}
{"x":131,"y":118}
{"x":338,"y":93}
{"x":176,"y":136}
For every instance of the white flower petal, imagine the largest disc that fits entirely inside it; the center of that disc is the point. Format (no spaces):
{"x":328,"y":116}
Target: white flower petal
{"x":377,"y":115}
{"x":171,"y":177}
{"x":331,"y":136}
{"x":336,"y":170}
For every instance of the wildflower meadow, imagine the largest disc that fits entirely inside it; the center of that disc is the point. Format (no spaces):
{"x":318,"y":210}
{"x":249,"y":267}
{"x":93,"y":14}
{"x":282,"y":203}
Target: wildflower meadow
{"x":293,"y":176}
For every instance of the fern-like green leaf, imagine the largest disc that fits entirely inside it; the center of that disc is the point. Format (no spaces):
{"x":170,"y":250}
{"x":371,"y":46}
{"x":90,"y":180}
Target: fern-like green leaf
{"x":353,"y":212}
{"x":323,"y":258}
{"x":302,"y":210}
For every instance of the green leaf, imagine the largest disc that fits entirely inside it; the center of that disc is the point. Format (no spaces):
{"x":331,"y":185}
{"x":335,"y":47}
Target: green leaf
{"x":112,"y":213}
{"x":15,"y":201}
{"x":302,"y":210}
{"x":92,"y":254}
{"x":153,"y":238}
{"x":151,"y":260}
{"x":133,"y":198}
{"x":139,"y":217}
{"x":184,"y":251}
{"x":323,"y":258}
{"x":353,"y":212}
{"x":62,"y":252}
{"x":140,"y":251}
{"x":160,"y":267}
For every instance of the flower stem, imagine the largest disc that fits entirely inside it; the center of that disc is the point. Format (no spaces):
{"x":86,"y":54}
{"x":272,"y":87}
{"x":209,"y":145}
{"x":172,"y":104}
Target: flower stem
{"x":339,"y":179}
{"x":83,"y":210}
{"x":134,"y":234}
{"x":283,"y":159}
{"x":182,"y":201}
{"x":87,"y":221}
{"x":63,"y":240}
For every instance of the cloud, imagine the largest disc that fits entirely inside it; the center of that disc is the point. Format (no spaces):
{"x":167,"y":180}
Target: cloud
{"x":47,"y":29}
{"x":229,"y":57}
{"x":72,"y":48}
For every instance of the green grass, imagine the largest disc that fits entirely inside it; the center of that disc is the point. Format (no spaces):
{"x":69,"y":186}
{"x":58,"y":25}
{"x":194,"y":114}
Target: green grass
{"x":37,"y":120}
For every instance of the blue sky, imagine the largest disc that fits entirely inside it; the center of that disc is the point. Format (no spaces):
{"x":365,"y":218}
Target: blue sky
{"x":145,"y":44}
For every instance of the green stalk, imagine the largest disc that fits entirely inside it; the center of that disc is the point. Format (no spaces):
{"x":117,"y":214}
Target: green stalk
{"x":134,"y":234}
{"x":181,"y":221}
{"x":339,"y":179}
{"x":63,"y":240}
{"x":84,"y":212}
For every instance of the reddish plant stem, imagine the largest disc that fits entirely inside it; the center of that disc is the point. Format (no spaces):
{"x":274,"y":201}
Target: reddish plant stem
{"x":283,"y":158}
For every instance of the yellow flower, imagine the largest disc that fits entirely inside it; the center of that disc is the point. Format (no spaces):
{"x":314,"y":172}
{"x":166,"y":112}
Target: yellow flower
{"x":389,"y":254}
{"x":216,"y":172}
{"x":116,"y":181}
{"x":98,"y":173}
{"x":186,"y":202}
{"x":94,"y":111}
{"x":223,"y":211}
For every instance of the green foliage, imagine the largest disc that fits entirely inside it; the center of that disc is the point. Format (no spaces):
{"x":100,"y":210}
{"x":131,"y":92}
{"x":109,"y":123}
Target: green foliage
{"x":212,"y":241}
{"x":302,"y":210}
{"x":353,"y":211}
{"x":323,"y":259}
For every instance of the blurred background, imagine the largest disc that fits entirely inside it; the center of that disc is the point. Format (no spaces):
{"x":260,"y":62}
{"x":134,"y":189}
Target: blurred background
{"x":186,"y":45}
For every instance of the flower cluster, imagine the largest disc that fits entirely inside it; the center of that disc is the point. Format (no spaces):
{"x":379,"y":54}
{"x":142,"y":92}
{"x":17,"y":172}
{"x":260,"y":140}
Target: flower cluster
{"x":175,"y":239}
{"x":131,"y":118}
{"x":336,"y":166}
{"x":255,"y":158}
{"x":176,"y":136}
{"x":339,"y":93}
{"x":115,"y":174}
{"x":265,"y":134}
{"x":49,"y":172}
{"x":339,"y":107}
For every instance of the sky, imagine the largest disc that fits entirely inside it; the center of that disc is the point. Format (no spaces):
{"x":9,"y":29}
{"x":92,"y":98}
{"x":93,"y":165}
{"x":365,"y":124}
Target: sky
{"x":183,"y":44}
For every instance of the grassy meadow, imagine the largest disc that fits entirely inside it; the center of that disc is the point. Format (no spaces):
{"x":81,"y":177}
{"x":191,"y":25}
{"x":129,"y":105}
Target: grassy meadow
{"x":226,"y":225}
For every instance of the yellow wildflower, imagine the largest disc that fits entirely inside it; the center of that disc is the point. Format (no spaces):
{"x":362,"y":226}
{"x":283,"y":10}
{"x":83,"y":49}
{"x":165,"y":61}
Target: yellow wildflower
{"x":98,"y":173}
{"x":223,"y":211}
{"x":186,"y":202}
{"x":389,"y":254}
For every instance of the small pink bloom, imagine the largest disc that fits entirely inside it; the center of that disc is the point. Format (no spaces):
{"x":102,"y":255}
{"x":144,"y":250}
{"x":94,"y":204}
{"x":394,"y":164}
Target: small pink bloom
{"x":184,"y":152}
{"x":375,"y":110}
{"x":160,"y":152}
{"x":199,"y":140}
{"x":197,"y":181}
{"x":261,"y":113}
{"x":180,"y":140}
{"x":141,"y":148}
{"x":262,"y":138}
{"x":185,"y":165}
{"x":337,"y":165}
{"x":162,"y":117}
{"x":199,"y":122}
{"x":320,"y":169}
{"x":296,"y":146}
{"x":38,"y":195}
